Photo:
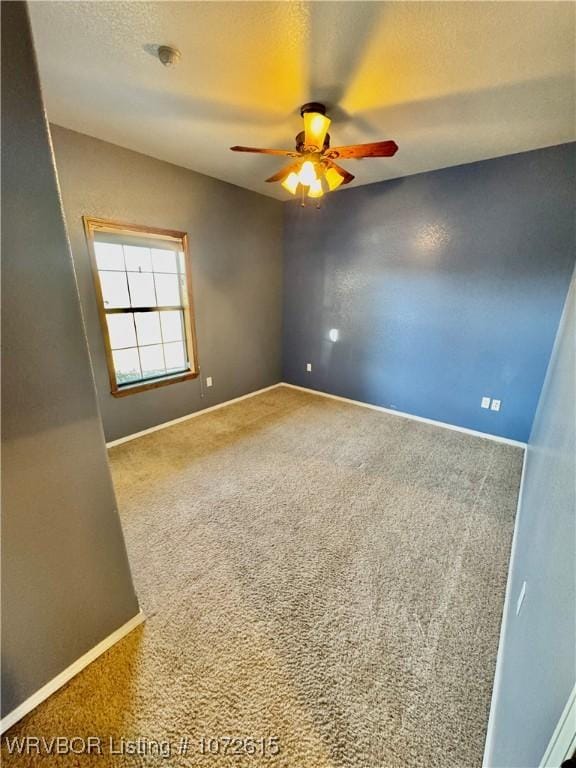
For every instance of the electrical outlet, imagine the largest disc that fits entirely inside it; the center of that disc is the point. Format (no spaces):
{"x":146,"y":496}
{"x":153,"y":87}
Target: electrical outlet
{"x":495,"y":405}
{"x":208,"y":381}
{"x":485,"y":402}
{"x":521,"y":597}
{"x":309,"y":367}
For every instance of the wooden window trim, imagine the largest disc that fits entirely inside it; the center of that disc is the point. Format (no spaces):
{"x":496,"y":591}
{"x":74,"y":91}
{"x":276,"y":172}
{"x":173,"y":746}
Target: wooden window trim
{"x":92,"y":225}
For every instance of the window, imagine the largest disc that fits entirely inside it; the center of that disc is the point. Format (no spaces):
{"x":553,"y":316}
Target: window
{"x":143,"y":288}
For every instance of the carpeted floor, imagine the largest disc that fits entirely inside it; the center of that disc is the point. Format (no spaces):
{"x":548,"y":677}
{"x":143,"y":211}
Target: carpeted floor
{"x":313,"y":572}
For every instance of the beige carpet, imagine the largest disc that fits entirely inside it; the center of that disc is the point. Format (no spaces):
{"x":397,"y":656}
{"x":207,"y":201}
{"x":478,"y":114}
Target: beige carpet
{"x":315,"y":572}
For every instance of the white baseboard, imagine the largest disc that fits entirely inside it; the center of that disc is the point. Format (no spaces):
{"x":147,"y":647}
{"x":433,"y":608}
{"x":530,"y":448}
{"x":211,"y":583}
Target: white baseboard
{"x":179,"y":420}
{"x":404,"y":415}
{"x":489,"y":743}
{"x":381,"y":408}
{"x":563,"y":741}
{"x":57,"y":682}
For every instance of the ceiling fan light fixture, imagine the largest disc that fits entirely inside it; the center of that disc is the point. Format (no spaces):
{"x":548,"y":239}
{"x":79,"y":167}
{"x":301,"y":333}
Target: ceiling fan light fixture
{"x":315,"y":189}
{"x":291,"y":183}
{"x":307,"y":173}
{"x":333,"y":178}
{"x":315,"y":129}
{"x":315,"y":171}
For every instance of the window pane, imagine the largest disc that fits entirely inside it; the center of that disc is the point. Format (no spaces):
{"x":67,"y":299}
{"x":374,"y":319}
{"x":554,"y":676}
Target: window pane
{"x":164,"y":261}
{"x":109,"y":256}
{"x":137,"y":259}
{"x":126,"y":365}
{"x":114,"y":289}
{"x":148,"y":328}
{"x":121,"y":330}
{"x":168,"y":290}
{"x":141,"y":289}
{"x":152,"y":361}
{"x":172,"y":328}
{"x":181,"y":264}
{"x":175,"y":356}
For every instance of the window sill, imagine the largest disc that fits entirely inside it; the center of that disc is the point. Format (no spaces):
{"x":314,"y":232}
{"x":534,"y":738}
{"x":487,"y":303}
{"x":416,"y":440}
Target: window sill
{"x":142,"y":386}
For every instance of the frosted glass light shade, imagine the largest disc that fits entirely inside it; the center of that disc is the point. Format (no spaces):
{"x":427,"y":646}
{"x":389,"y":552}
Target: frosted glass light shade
{"x":315,"y":129}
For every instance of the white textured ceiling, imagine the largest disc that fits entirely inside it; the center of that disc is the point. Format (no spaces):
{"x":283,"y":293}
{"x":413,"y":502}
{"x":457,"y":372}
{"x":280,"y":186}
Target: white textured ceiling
{"x":450,"y":82}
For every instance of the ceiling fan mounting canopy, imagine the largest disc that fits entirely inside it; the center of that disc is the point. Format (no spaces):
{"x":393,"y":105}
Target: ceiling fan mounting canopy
{"x":313,"y":106}
{"x":314,"y":169}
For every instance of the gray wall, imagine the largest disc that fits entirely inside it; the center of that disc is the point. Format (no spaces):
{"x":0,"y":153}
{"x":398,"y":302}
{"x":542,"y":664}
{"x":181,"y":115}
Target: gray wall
{"x":66,"y":583}
{"x":538,"y":662}
{"x":236,"y":250}
{"x":445,"y":287}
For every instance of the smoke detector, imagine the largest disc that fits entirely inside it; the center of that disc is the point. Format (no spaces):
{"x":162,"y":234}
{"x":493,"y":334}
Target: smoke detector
{"x":168,"y":55}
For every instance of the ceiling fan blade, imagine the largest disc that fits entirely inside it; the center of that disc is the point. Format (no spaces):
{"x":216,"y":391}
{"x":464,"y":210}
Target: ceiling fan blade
{"x":342,"y":171}
{"x":283,"y":152}
{"x":283,"y":173}
{"x":358,"y":151}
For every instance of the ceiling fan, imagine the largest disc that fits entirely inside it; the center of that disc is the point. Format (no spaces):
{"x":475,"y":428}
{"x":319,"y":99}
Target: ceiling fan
{"x":314,"y":170}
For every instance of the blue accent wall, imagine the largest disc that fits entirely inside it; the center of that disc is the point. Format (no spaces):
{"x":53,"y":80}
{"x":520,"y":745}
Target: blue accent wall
{"x":444,"y":287}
